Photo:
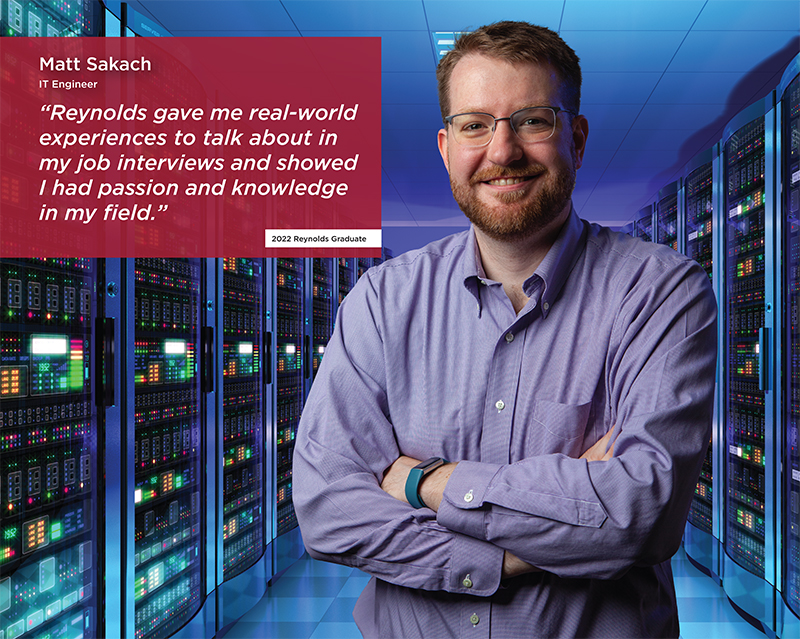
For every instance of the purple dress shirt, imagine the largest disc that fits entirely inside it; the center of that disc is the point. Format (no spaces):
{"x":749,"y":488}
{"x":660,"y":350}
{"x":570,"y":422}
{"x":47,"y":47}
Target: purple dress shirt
{"x":428,"y":358}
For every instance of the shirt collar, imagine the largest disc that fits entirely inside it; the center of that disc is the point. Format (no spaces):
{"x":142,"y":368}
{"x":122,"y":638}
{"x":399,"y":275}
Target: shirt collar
{"x":553,"y":270}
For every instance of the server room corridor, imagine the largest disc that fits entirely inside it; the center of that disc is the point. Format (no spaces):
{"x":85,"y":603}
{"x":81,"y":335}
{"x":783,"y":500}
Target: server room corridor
{"x":150,"y":401}
{"x":314,"y":600}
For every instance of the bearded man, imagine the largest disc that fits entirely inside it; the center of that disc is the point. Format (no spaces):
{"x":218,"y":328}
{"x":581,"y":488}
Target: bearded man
{"x":556,"y":378}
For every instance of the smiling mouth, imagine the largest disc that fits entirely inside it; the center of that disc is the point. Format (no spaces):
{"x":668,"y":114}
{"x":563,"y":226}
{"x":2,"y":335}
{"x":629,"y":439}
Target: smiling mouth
{"x":508,"y":181}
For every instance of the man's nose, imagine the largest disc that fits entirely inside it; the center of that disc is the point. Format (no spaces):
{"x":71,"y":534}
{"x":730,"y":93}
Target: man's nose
{"x":505,"y":146}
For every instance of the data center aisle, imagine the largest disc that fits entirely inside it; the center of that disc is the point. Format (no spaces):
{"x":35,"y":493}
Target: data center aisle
{"x":314,"y":600}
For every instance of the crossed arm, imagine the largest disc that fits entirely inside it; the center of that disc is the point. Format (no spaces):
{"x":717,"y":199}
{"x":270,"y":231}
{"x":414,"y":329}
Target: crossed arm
{"x":432,"y":490}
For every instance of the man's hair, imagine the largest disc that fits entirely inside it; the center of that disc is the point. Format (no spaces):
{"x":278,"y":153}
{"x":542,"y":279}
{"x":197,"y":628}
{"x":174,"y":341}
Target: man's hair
{"x":515,"y":42}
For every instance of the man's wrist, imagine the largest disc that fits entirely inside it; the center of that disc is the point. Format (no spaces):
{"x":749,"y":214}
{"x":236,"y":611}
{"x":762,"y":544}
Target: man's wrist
{"x":432,"y":486}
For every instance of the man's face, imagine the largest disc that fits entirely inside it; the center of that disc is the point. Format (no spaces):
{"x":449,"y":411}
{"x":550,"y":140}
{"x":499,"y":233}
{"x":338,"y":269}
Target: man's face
{"x":511,"y":189}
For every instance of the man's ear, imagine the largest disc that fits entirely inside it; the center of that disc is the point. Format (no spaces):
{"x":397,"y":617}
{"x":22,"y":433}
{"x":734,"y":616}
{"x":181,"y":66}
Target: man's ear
{"x":443,"y":148}
{"x":580,"y":131}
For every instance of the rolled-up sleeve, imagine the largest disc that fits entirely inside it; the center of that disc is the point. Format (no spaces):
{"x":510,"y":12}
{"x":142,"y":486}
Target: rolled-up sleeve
{"x":344,"y":444}
{"x":597,"y":519}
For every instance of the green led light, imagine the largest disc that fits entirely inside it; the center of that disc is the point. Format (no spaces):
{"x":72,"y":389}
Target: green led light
{"x":10,"y":533}
{"x":55,"y":530}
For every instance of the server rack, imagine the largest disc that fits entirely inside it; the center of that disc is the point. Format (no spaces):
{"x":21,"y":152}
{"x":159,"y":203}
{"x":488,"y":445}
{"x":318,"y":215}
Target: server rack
{"x":668,"y":223}
{"x":321,"y":299}
{"x":643,"y":226}
{"x":347,"y":276}
{"x":701,"y":204}
{"x":241,"y":414}
{"x":289,"y":388}
{"x":788,"y":488}
{"x":749,"y":531}
{"x":51,"y":468}
{"x":166,"y":450}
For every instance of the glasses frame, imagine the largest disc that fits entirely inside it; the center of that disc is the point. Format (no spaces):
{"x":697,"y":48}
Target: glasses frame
{"x":556,"y":110}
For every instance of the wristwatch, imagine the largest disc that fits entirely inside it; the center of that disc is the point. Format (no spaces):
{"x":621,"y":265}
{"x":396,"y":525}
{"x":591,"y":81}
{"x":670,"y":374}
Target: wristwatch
{"x":415,"y":477}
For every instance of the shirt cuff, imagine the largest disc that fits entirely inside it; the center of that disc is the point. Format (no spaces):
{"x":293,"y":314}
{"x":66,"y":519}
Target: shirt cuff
{"x":461,"y":507}
{"x":476,"y":567}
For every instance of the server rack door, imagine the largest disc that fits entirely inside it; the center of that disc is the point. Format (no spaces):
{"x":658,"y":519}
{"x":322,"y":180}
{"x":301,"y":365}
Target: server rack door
{"x":289,"y":314}
{"x":51,"y":463}
{"x":699,"y":225}
{"x":242,"y":429}
{"x":168,"y":475}
{"x":346,"y":276}
{"x":323,"y":308}
{"x":667,"y":216}
{"x":790,"y":110}
{"x":749,"y":535}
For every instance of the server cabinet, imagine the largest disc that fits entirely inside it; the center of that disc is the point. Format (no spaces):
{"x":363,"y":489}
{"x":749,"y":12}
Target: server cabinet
{"x":789,"y":486}
{"x":700,"y":200}
{"x":166,"y":447}
{"x":669,"y":223}
{"x":243,"y":565}
{"x":322,"y":301}
{"x":749,"y":531}
{"x":51,"y":440}
{"x":347,"y":276}
{"x":289,"y":397}
{"x":643,"y":224}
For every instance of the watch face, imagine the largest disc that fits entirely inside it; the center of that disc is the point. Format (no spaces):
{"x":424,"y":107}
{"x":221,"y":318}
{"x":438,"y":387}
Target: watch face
{"x":431,"y":464}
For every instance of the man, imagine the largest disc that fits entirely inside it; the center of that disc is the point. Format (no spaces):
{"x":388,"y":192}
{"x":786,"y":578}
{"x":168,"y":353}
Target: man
{"x":519,"y":351}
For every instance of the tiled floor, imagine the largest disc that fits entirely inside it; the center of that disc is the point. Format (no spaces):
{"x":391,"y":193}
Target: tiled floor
{"x":314,"y":600}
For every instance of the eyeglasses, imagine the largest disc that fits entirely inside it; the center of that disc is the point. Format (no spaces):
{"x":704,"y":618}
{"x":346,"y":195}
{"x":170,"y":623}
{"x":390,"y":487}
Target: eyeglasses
{"x":534,"y":124}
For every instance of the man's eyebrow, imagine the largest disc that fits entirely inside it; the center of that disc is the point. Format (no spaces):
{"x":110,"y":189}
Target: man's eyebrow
{"x":480,"y":110}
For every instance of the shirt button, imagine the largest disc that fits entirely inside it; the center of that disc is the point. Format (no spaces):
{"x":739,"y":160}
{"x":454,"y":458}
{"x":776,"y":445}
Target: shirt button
{"x":468,"y":497}
{"x":467,"y":582}
{"x":500,"y":405}
{"x":509,"y":337}
{"x":474,"y":619}
{"x":483,"y":282}
{"x":546,"y":306}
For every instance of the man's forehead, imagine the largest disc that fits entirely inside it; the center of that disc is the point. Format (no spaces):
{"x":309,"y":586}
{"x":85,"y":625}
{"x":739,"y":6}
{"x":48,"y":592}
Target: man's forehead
{"x":478,"y":73}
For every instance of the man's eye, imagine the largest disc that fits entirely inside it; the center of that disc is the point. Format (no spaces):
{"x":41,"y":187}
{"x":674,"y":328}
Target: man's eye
{"x":534,"y":122}
{"x":474,"y":127}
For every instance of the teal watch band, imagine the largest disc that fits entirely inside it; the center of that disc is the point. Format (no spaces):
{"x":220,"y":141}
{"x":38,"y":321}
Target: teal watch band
{"x":415,"y":477}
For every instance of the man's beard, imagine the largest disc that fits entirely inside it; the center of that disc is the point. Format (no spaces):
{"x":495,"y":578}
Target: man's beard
{"x":506,"y":221}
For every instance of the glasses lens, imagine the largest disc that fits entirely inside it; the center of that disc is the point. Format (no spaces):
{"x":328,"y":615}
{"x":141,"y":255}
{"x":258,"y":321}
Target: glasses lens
{"x":473,"y":129}
{"x":532,"y":125}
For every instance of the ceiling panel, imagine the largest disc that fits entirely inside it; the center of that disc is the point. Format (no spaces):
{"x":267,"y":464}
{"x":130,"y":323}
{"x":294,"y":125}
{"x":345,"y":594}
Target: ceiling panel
{"x":636,"y":15}
{"x":746,"y":15}
{"x":624,"y":51}
{"x":213,"y":15}
{"x":704,"y":88}
{"x":461,"y":15}
{"x":618,"y":88}
{"x":678,"y":117}
{"x":401,"y":51}
{"x":357,"y":15}
{"x":400,"y":88}
{"x":608,"y":116}
{"x":731,"y":51}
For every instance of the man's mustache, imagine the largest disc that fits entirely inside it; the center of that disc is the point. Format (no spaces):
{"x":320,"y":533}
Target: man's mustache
{"x":498,"y":173}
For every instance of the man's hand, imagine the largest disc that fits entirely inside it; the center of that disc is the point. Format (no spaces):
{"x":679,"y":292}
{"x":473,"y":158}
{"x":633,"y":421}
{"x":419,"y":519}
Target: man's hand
{"x":431,"y":488}
{"x":598,"y":451}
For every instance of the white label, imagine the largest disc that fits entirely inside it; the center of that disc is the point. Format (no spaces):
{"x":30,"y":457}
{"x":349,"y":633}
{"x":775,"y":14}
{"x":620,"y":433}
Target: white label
{"x":323,"y":238}
{"x":796,"y":474}
{"x":795,"y":176}
{"x":733,"y":450}
{"x":692,"y":235}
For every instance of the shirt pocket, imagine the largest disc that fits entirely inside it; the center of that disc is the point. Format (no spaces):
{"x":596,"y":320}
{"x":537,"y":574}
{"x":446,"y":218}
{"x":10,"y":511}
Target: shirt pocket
{"x":558,"y":428}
